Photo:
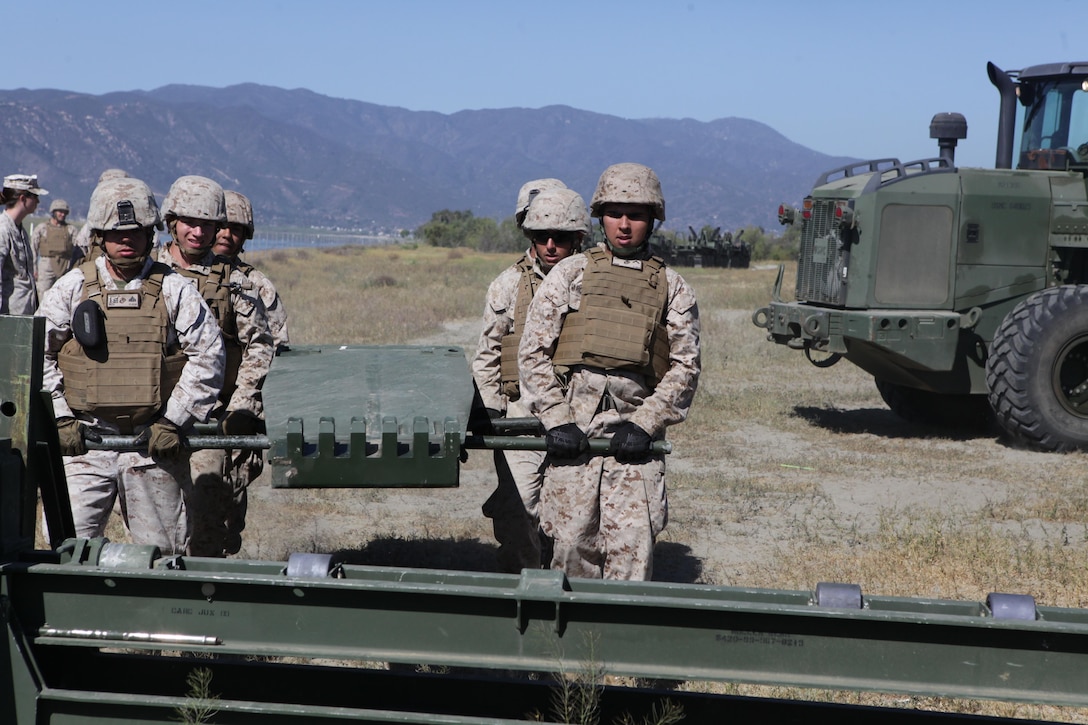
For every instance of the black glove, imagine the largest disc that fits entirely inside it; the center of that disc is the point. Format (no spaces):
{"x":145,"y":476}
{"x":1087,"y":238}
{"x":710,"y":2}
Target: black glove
{"x":163,"y":440}
{"x":74,"y":436}
{"x":240,"y":423}
{"x":630,"y":444}
{"x":566,"y":441}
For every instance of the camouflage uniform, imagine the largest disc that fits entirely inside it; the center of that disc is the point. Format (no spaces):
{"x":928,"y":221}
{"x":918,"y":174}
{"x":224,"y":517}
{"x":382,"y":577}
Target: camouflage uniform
{"x":273,"y":304}
{"x":605,"y":515}
{"x":513,"y":507}
{"x":244,"y":467}
{"x":153,"y":493}
{"x":18,"y":295}
{"x":46,"y":271}
{"x":82,"y":240}
{"x":214,"y":486}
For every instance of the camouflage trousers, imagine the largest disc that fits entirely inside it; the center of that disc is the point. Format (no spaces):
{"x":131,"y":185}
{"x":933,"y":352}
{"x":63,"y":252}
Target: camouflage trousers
{"x":604,"y":516}
{"x":220,"y":499}
{"x":46,"y":277}
{"x":514,"y":509}
{"x":153,"y":495}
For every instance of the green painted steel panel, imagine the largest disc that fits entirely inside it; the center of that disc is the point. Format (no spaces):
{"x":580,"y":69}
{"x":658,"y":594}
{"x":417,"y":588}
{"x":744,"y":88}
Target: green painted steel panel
{"x":367,"y":416}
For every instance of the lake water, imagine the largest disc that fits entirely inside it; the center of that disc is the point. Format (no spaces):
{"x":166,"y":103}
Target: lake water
{"x":296,"y":240}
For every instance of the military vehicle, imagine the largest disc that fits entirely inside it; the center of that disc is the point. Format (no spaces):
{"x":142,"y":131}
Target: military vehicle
{"x":96,"y":631}
{"x":737,"y":251}
{"x":963,"y":291}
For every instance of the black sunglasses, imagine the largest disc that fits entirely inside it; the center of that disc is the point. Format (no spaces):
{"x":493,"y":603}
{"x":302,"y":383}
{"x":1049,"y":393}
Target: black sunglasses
{"x":561,"y":239}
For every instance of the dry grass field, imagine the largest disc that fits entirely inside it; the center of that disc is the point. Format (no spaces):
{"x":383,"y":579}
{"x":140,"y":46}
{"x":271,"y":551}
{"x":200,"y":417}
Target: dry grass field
{"x":783,"y":476}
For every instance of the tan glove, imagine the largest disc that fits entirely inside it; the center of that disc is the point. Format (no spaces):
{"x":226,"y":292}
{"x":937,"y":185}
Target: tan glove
{"x":164,"y":440}
{"x":70,"y":432}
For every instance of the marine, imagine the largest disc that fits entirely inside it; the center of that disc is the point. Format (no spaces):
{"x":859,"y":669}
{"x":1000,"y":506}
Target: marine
{"x":195,"y":210}
{"x":130,"y":348}
{"x":610,"y":350}
{"x":556,"y":221}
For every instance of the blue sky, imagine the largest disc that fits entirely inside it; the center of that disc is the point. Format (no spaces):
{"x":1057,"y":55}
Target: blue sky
{"x":859,"y":78}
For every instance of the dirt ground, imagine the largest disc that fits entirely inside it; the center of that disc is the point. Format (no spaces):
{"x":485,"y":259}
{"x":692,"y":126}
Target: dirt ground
{"x":744,"y":492}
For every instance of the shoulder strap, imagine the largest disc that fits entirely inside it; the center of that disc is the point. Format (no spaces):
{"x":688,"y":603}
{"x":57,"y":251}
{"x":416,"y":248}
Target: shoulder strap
{"x":92,"y":285}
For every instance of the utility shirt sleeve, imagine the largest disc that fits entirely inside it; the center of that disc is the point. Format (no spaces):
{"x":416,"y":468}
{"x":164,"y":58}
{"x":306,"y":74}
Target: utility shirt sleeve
{"x":273,"y":306}
{"x":671,"y":399}
{"x":82,"y":239}
{"x":36,"y":241}
{"x":498,"y":322}
{"x":558,"y":294}
{"x":7,"y":265}
{"x":255,"y":338}
{"x":56,"y":307}
{"x":199,"y":338}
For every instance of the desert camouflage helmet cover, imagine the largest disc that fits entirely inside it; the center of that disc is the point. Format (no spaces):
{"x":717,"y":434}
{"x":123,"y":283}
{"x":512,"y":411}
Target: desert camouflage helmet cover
{"x":629,"y":184}
{"x":530,"y":189}
{"x":239,"y":211}
{"x":195,"y":197}
{"x":560,"y":210}
{"x":112,"y":174}
{"x":24,"y":182}
{"x":58,"y":205}
{"x":121,"y":204}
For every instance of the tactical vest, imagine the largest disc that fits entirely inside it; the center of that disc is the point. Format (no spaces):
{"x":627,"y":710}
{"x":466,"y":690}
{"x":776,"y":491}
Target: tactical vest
{"x":129,"y":378}
{"x":621,"y":323}
{"x":57,"y":247}
{"x":508,"y":360}
{"x":214,"y":287}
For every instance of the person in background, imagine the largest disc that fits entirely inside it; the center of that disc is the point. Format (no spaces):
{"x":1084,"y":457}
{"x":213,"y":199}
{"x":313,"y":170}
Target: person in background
{"x":54,"y":246}
{"x":195,"y":210}
{"x":246,"y":466}
{"x":18,"y":295}
{"x":610,"y":350}
{"x":555,"y":220}
{"x":130,"y":349}
{"x":230,"y":242}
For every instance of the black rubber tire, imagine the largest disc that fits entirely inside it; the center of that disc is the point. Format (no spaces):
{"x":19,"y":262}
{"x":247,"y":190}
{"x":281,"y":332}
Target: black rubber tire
{"x":1037,"y":370}
{"x":922,"y":407}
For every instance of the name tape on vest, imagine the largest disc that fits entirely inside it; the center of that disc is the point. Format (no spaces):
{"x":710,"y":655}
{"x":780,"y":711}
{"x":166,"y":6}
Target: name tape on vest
{"x":123,"y":300}
{"x":628,"y":263}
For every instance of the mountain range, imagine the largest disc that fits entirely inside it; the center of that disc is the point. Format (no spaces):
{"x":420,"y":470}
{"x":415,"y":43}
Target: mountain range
{"x":305,"y":159}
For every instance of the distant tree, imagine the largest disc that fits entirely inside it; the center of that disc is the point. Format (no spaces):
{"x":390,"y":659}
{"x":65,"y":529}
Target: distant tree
{"x":781,"y":248}
{"x":508,"y":238}
{"x":461,"y":229}
{"x":447,"y":229}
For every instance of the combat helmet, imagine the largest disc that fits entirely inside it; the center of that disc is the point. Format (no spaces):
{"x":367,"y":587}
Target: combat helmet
{"x":528,"y":191}
{"x":112,"y":174}
{"x":559,"y":209}
{"x":123,"y":204}
{"x":629,"y":184}
{"x":59,"y":205}
{"x":195,"y":197}
{"x":239,"y":211}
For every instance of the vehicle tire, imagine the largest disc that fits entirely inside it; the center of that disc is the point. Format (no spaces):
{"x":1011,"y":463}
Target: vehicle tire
{"x":955,"y":411}
{"x":1037,"y":370}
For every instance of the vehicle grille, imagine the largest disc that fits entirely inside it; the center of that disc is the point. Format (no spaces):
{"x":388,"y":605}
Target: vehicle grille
{"x":823,"y":257}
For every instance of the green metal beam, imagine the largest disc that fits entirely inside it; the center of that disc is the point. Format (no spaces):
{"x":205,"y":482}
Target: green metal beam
{"x":543,"y":621}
